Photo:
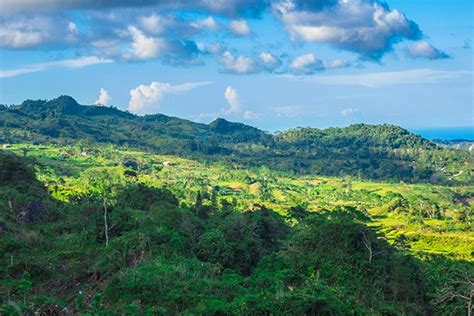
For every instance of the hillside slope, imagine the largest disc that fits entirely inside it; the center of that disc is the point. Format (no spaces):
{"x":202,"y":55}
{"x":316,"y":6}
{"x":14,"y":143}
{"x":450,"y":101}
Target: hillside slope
{"x":119,"y":232}
{"x":367,"y":151}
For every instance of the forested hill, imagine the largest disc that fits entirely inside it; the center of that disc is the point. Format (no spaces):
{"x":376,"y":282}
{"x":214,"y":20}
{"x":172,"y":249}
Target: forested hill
{"x":367,"y":151}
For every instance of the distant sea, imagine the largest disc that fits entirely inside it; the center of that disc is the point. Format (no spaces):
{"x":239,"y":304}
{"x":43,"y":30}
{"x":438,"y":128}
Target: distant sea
{"x":446,"y":133}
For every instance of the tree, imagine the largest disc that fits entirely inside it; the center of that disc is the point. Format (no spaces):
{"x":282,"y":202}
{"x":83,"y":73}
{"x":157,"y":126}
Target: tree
{"x":460,"y":287}
{"x":367,"y":241}
{"x":103,"y":182}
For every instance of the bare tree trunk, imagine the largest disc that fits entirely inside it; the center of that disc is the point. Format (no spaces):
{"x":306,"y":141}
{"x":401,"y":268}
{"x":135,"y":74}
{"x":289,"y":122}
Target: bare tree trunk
{"x":469,"y":305}
{"x":367,"y":245}
{"x":10,"y":204}
{"x":106,"y":225}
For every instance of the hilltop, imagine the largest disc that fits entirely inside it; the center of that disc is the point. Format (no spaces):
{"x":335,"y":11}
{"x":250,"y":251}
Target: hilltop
{"x":380,"y":152}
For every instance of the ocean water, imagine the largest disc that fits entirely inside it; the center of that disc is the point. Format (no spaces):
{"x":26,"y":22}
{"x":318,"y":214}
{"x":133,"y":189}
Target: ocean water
{"x":446,"y":133}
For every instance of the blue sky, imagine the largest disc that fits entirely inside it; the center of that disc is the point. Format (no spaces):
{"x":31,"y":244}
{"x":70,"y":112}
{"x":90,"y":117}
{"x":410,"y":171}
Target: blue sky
{"x":274,"y":64}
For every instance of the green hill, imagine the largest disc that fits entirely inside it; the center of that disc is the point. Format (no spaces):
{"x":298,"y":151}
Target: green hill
{"x":384,"y":152}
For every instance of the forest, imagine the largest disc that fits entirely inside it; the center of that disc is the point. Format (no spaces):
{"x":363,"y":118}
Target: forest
{"x":96,"y":229}
{"x":103,"y":212}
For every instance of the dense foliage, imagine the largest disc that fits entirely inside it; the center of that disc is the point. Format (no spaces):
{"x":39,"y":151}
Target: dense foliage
{"x":104,"y":231}
{"x":365,"y":151}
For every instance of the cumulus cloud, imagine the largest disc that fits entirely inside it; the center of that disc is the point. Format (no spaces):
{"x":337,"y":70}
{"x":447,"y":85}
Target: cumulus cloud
{"x":423,"y":49}
{"x":67,"y":63}
{"x":306,"y":64}
{"x":104,"y":97}
{"x":269,"y":61}
{"x":235,"y":108}
{"x":145,"y":99}
{"x":266,"y":61}
{"x":232,"y":98}
{"x":238,"y":65}
{"x":154,"y":29}
{"x":366,"y":27}
{"x":240,"y":27}
{"x":144,"y":47}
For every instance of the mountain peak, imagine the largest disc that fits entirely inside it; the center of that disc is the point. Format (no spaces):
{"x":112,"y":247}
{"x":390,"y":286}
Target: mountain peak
{"x":64,"y":101}
{"x":224,"y":126}
{"x":62,"y":104}
{"x":239,"y":131}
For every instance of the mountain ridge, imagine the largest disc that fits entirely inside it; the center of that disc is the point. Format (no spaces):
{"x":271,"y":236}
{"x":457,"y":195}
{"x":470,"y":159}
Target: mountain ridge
{"x":370,"y":151}
{"x":69,"y":106}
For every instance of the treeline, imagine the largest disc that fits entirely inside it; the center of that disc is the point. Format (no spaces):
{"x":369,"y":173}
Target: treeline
{"x":382,"y":152}
{"x":122,"y":247}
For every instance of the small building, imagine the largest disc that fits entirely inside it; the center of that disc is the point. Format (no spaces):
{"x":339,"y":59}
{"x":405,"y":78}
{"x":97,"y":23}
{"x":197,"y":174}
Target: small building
{"x":6,"y":146}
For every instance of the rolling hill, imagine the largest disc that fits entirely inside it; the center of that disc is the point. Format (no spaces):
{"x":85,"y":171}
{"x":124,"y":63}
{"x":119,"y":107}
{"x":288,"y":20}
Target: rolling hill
{"x":380,"y":152}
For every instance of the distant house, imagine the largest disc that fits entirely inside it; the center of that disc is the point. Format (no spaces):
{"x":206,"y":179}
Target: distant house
{"x":84,"y":153}
{"x":6,"y":146}
{"x":167,"y":163}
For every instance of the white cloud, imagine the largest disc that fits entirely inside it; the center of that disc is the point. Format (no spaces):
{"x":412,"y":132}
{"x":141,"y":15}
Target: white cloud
{"x":248,"y":65}
{"x":72,"y":28}
{"x":208,"y":23}
{"x":155,"y":24}
{"x":269,"y":61}
{"x":423,"y":49}
{"x":104,"y":97}
{"x":363,"y":26}
{"x":67,"y":63}
{"x":235,"y":107}
{"x":335,"y":63}
{"x":306,"y":64}
{"x":212,"y":48}
{"x":388,"y":78}
{"x":239,"y":65}
{"x":145,"y":47}
{"x":135,"y":33}
{"x":232,"y":98}
{"x":145,"y":99}
{"x":240,"y":27}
